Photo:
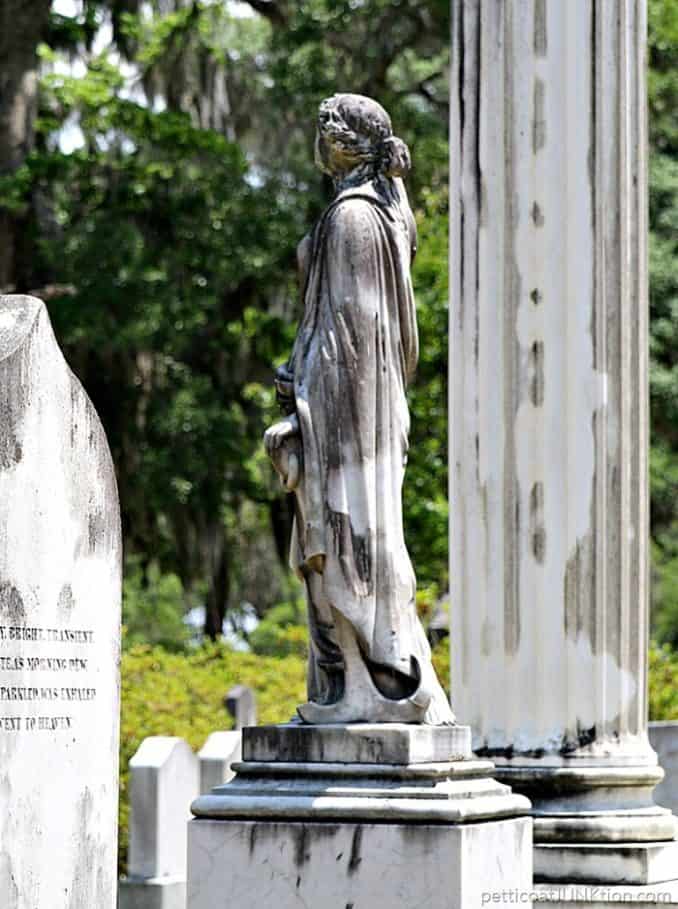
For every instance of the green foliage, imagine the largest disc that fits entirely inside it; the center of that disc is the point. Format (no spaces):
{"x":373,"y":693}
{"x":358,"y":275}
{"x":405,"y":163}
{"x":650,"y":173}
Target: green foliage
{"x":663,"y":99}
{"x":281,"y":632}
{"x":153,"y":608}
{"x":663,"y":74}
{"x":168,"y":240}
{"x":441,"y":663}
{"x":182,"y":694}
{"x":425,"y":491}
{"x":665,"y":589}
{"x":271,"y":639}
{"x":663,"y":683}
{"x":169,"y":254}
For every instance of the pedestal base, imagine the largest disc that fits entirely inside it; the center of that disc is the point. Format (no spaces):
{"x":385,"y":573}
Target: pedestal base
{"x":291,"y":865}
{"x":359,"y":816}
{"x":387,"y":773}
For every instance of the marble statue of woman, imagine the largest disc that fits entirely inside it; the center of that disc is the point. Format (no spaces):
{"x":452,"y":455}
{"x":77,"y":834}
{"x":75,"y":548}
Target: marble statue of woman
{"x":342,"y":446}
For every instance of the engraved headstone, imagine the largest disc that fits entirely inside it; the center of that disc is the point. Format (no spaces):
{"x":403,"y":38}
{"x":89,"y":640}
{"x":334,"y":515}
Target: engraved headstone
{"x":60,"y":558}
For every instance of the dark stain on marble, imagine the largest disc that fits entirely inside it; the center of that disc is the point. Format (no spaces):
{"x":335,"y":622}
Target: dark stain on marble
{"x":12,"y":606}
{"x":356,"y":858}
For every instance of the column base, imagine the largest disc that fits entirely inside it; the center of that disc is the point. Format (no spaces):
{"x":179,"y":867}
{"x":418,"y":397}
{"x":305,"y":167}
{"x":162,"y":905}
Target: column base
{"x":606,"y":863}
{"x":595,"y":896}
{"x":592,"y":803}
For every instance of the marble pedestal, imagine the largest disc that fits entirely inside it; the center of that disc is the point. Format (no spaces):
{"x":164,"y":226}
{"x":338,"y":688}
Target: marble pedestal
{"x":354,"y":816}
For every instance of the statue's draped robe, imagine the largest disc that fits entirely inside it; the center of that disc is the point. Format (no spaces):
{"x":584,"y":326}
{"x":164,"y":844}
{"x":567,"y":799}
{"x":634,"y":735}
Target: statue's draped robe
{"x":355,"y":352}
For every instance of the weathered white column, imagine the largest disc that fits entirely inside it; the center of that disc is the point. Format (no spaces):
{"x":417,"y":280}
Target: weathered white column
{"x":549,"y":433}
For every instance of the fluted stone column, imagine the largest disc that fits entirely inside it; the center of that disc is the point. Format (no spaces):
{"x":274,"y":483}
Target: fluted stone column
{"x":549,"y":415}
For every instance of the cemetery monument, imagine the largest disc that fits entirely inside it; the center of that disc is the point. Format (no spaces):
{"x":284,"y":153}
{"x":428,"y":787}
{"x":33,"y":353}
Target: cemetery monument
{"x":60,"y":572}
{"x":372,"y":791}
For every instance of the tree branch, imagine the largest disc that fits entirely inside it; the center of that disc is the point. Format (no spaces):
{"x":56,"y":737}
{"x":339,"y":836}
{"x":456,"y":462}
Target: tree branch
{"x":429,"y":95}
{"x":270,"y":9}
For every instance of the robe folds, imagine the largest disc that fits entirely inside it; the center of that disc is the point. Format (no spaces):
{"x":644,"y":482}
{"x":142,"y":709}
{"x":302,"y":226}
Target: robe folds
{"x":355,"y":352}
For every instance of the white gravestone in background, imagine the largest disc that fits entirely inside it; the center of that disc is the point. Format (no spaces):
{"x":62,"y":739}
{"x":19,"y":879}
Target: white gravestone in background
{"x":241,"y":703}
{"x":60,"y":558}
{"x":164,"y":780}
{"x":664,"y":740}
{"x":216,"y":756}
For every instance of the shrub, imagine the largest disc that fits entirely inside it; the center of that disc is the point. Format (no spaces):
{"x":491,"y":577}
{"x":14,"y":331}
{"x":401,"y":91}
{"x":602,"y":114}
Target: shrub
{"x":441,"y":663}
{"x":269,"y":639}
{"x":182,"y":694}
{"x":280,"y":632}
{"x":663,"y":683}
{"x":153,"y":608}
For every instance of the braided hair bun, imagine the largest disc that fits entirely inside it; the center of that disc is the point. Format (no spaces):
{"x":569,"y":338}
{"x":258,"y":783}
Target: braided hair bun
{"x":394,"y":157}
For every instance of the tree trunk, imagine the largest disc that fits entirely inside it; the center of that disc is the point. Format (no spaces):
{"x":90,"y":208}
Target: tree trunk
{"x":21,"y":28}
{"x":217,"y":596}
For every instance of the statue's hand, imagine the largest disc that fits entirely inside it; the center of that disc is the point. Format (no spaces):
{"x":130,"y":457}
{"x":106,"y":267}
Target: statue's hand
{"x":317,"y":563}
{"x":284,"y":389}
{"x":287,"y":459}
{"x":275,"y":435}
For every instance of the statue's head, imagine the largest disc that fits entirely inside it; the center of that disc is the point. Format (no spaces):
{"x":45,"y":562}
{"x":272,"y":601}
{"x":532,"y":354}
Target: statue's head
{"x":353,"y":131}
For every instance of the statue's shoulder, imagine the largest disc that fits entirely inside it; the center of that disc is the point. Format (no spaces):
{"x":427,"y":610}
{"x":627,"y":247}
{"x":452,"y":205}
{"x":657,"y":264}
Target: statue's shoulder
{"x":351,"y":209}
{"x":351,"y":220}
